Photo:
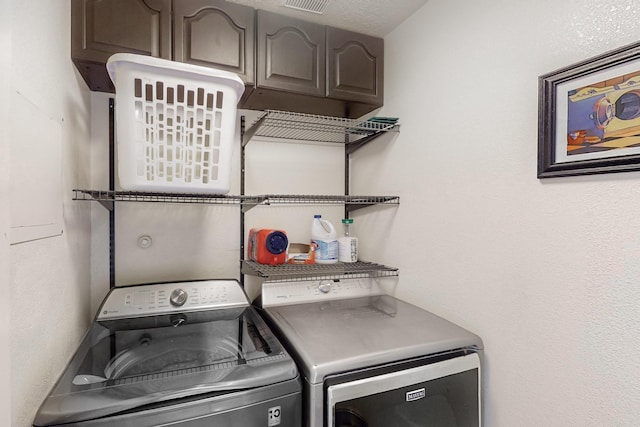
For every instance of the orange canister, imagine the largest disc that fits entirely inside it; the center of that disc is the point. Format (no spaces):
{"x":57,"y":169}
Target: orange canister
{"x":267,"y":246}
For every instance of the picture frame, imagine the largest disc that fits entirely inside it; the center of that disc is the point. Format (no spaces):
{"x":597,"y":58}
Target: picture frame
{"x":589,"y":116}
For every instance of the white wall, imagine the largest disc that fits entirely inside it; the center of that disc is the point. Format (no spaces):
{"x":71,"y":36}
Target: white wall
{"x":546,"y":271}
{"x":48,"y":280}
{"x":5,"y":367}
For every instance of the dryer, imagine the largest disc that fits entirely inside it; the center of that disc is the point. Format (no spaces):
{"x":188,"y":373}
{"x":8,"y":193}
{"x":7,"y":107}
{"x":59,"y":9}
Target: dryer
{"x":371,"y":360}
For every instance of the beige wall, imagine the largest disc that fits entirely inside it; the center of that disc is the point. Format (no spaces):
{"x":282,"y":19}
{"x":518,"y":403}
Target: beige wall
{"x":48,"y":280}
{"x":546,"y":271}
{"x":5,"y":365}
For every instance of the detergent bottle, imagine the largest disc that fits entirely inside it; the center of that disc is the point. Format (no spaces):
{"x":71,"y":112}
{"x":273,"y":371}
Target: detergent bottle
{"x":324,"y":241}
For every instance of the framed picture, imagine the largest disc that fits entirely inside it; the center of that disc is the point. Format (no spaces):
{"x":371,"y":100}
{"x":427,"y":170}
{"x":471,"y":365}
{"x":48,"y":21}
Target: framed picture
{"x":589,"y":116}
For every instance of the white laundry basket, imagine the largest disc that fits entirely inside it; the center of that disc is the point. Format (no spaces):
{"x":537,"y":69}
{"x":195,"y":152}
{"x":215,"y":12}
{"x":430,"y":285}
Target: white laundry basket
{"x":175,"y":124}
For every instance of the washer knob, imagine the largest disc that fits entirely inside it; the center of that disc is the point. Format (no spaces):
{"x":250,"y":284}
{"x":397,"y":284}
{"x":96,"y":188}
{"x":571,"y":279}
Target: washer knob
{"x":178,"y":297}
{"x":325,"y":286}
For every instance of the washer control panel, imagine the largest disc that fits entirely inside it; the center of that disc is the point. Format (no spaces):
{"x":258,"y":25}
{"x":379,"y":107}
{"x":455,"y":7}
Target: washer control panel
{"x":164,"y":298}
{"x":297,"y":292}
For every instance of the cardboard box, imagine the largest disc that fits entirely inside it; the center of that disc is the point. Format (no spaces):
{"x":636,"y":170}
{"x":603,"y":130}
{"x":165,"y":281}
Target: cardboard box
{"x":300,"y":253}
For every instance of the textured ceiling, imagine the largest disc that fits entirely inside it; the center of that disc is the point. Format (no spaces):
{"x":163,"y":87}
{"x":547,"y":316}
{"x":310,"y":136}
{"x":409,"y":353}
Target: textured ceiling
{"x":373,"y":17}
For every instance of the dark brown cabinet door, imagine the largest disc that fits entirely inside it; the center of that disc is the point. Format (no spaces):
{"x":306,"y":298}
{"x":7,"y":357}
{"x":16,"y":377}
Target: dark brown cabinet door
{"x":286,"y":63}
{"x":101,"y":28}
{"x":355,"y":66}
{"x":217,"y":34}
{"x":291,"y":54}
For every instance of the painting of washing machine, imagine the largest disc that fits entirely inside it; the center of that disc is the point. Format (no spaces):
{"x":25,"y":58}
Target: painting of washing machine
{"x":589,"y":116}
{"x":604,"y":116}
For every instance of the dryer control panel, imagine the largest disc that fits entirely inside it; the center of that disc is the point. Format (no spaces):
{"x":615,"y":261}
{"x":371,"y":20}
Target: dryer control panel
{"x":297,"y":292}
{"x":164,"y":298}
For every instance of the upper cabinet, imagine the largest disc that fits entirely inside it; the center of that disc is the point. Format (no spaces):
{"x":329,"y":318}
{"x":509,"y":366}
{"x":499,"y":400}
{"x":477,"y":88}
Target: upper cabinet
{"x":287,"y":64}
{"x":309,"y":68}
{"x":290,"y":54}
{"x":101,"y":28}
{"x":212,"y":33}
{"x":355,"y":66}
{"x":217,"y":34}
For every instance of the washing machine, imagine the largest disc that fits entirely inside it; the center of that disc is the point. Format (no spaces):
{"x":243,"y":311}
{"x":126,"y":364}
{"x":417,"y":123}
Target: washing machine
{"x":181,"y":354}
{"x":371,"y":360}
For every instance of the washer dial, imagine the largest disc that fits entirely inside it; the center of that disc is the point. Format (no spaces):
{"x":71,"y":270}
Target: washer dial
{"x":325,"y":286}
{"x":178,"y":297}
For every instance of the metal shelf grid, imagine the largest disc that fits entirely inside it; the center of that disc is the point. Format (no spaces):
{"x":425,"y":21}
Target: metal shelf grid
{"x":309,"y":127}
{"x":108,"y":197}
{"x":351,"y":203}
{"x":353,"y":134}
{"x":327,"y":199}
{"x":295,"y":272}
{"x":250,"y":201}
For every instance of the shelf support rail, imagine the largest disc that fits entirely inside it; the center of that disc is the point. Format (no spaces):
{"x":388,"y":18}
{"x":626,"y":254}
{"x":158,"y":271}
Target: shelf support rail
{"x":243,"y":143}
{"x":110,"y":205}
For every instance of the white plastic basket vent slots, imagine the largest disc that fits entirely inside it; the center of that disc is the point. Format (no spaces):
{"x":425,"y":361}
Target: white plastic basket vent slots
{"x":175,"y":124}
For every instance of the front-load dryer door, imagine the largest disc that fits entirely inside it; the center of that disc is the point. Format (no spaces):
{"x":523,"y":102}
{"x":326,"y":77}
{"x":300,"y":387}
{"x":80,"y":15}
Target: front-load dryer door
{"x":441,"y":394}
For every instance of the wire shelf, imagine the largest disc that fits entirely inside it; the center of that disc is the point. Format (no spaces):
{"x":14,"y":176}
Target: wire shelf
{"x":283,"y":199}
{"x":310,"y":127}
{"x":108,"y":197}
{"x":295,"y":272}
{"x":138,"y":196}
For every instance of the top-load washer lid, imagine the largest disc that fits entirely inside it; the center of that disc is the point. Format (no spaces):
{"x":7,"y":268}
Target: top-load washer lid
{"x":341,"y":335}
{"x":125,"y":363}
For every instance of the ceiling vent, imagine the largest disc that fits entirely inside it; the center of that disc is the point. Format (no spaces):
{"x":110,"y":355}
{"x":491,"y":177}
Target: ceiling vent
{"x":313,"y":6}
